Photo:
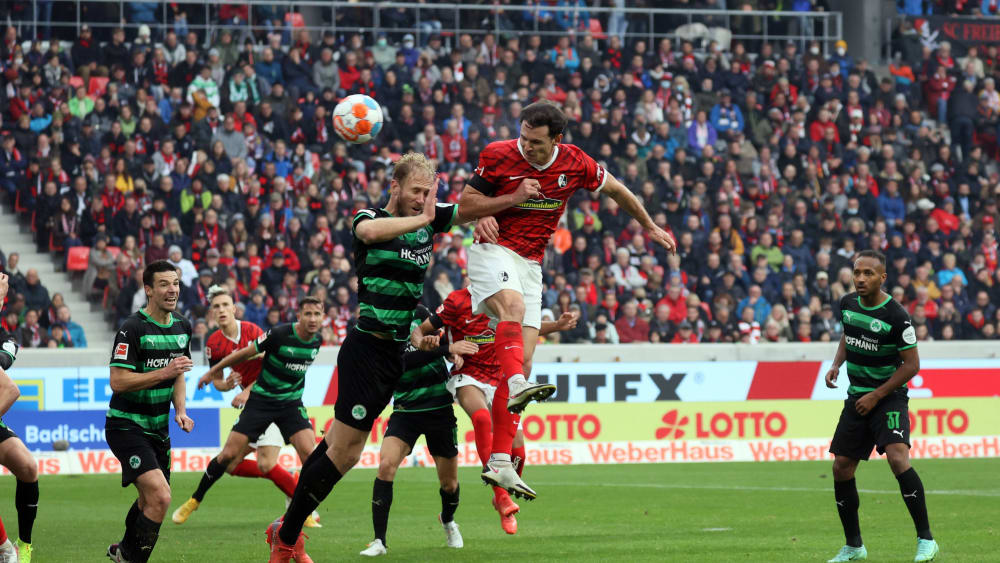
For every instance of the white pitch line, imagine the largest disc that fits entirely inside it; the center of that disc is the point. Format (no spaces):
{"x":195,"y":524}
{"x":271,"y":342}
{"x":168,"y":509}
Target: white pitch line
{"x":947,"y":492}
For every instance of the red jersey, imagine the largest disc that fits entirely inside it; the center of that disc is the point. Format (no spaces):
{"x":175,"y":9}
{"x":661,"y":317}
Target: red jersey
{"x":455,"y":314}
{"x":527,"y":227}
{"x":219,"y":346}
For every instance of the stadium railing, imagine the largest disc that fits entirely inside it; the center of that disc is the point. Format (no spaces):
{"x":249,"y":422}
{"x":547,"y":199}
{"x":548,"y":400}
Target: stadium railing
{"x":763,"y":25}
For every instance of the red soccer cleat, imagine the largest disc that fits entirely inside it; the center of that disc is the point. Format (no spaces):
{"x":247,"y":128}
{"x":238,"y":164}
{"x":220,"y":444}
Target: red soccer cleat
{"x":282,"y":552}
{"x":507,"y":509}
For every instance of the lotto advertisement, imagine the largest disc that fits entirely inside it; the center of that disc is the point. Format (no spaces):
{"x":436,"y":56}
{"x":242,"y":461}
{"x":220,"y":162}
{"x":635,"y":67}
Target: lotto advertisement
{"x":602,"y":413}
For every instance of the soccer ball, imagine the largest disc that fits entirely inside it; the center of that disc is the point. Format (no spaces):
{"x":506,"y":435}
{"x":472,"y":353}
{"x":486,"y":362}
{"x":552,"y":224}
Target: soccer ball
{"x":357,"y":119}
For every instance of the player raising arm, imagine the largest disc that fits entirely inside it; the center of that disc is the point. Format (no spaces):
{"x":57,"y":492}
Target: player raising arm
{"x":879,"y":346}
{"x":392,"y":250}
{"x":232,"y":335}
{"x":151,"y":354}
{"x":525,"y":183}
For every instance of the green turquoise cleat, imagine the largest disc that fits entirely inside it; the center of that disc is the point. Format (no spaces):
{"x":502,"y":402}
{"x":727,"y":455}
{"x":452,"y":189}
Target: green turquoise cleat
{"x":848,"y":553}
{"x":927,"y":550}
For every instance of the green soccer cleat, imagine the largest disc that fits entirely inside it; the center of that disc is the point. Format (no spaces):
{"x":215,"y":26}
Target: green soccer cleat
{"x":23,"y":551}
{"x":848,"y":553}
{"x":927,"y":550}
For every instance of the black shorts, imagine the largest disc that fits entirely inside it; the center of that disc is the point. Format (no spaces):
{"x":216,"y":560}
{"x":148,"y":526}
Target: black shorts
{"x":6,"y":432}
{"x":368,"y":369}
{"x":258,"y":414}
{"x":888,"y":423}
{"x":137,"y":451}
{"x":439,"y":426}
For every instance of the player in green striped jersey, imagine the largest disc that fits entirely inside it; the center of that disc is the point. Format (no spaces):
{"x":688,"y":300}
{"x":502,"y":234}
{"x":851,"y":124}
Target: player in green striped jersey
{"x":392,"y":250}
{"x":152,"y":351}
{"x":421,"y":405}
{"x":276,"y":397}
{"x":879,"y":346}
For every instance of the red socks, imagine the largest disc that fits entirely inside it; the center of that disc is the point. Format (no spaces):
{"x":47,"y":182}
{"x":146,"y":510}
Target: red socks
{"x":517,"y":456}
{"x":247,"y":468}
{"x":282,"y":479}
{"x":3,"y":533}
{"x":482,"y":424}
{"x":278,"y":475}
{"x":509,"y":348}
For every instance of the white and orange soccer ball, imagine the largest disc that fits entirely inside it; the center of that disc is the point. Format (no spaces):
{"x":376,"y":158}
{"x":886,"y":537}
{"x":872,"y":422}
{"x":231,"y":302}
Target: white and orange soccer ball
{"x":357,"y":119}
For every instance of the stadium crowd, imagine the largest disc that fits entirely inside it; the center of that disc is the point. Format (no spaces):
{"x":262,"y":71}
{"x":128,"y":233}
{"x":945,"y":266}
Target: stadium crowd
{"x":772,"y":165}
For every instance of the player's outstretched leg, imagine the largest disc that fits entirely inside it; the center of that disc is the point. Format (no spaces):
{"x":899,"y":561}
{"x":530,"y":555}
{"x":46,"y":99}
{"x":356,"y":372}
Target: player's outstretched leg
{"x":509,"y":346}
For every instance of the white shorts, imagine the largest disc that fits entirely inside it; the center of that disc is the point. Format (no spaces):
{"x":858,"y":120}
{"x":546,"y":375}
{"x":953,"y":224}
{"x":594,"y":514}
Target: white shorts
{"x":270,"y":437}
{"x":493,"y":268}
{"x":456,"y":381}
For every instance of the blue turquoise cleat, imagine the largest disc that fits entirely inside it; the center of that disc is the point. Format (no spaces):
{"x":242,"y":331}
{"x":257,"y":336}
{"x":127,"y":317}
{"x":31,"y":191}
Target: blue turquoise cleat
{"x":848,"y":553}
{"x":927,"y":550}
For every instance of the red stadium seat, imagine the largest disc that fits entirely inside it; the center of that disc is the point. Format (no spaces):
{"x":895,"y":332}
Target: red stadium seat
{"x":596,"y":29}
{"x":115,"y":251}
{"x":295,"y":19}
{"x":98,"y":84}
{"x":77,"y":259}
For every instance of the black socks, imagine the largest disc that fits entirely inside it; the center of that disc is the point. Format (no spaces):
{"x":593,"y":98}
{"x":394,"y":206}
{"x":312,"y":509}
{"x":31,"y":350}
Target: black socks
{"x":212,"y":474}
{"x":381,"y":503}
{"x":26,"y":501}
{"x":315,"y":483}
{"x":913,"y":495}
{"x":449,"y":504}
{"x":140,"y":539}
{"x":846,"y":494}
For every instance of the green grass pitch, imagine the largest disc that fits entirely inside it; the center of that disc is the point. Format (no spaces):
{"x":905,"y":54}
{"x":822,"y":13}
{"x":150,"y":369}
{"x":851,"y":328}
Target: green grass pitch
{"x":682,"y":512}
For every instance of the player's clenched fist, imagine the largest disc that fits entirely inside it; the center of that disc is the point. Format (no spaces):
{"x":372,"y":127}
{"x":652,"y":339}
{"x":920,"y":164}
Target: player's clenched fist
{"x":177,"y":366}
{"x":487,"y":230}
{"x":528,"y":189}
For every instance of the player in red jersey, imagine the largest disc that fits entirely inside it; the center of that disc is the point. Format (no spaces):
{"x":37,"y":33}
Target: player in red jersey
{"x":233,"y":335}
{"x":474,"y":382}
{"x":524,"y":183}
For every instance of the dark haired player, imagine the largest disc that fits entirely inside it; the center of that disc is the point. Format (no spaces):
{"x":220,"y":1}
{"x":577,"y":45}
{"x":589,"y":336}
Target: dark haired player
{"x":276,"y":398}
{"x":152,"y":351}
{"x":525,"y":183}
{"x":232,"y":335}
{"x":880,"y":348}
{"x":14,"y":455}
{"x":421,"y":405}
{"x":392,"y":250}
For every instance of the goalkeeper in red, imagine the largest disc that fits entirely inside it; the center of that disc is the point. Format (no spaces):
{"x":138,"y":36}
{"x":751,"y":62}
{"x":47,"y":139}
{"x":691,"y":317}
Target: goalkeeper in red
{"x":525,"y":183}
